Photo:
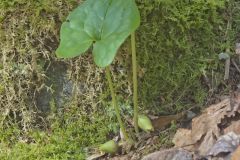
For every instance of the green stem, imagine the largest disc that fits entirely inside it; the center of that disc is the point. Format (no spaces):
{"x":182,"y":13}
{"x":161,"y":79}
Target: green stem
{"x":135,"y":91}
{"x":114,"y":102}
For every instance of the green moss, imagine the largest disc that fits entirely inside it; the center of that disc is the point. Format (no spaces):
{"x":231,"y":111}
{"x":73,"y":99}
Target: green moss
{"x":177,"y":42}
{"x":66,"y":138}
{"x":29,"y":36}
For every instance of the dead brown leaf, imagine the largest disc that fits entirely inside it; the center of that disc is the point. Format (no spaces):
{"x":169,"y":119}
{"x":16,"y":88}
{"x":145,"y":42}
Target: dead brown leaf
{"x":234,"y":127}
{"x":205,"y":128}
{"x":187,"y":142}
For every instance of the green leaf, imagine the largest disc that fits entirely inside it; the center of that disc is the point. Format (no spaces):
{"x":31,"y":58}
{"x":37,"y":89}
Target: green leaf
{"x":104,"y":23}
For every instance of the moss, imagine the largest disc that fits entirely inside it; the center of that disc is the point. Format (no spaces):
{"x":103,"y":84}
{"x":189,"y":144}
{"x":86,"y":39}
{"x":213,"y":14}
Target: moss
{"x":66,"y":138}
{"x":29,"y":37}
{"x":177,"y":42}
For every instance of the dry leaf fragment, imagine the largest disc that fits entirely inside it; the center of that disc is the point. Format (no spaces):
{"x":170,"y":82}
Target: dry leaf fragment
{"x":234,"y":127}
{"x":207,"y":143}
{"x":186,"y":135}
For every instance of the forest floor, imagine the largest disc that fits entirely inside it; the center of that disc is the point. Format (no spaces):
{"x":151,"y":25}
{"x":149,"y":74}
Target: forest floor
{"x":212,"y":133}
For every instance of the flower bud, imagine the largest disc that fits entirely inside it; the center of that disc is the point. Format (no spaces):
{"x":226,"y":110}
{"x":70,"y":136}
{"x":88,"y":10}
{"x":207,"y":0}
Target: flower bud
{"x":145,"y":123}
{"x":109,"y":147}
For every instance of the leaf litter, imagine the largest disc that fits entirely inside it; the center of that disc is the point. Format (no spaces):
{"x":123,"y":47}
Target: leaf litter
{"x":215,"y":133}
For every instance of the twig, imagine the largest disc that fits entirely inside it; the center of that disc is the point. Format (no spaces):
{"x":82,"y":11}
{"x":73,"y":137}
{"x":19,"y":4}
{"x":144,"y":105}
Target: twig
{"x":235,"y":65}
{"x":227,"y":67}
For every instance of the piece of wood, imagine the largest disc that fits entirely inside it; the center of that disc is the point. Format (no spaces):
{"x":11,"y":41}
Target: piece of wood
{"x":163,"y":121}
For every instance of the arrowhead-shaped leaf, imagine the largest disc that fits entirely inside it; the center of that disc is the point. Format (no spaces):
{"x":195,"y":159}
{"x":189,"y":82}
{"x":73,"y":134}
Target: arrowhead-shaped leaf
{"x":103,"y":23}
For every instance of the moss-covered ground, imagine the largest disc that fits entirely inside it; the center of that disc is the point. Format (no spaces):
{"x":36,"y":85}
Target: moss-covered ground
{"x":178,"y":44}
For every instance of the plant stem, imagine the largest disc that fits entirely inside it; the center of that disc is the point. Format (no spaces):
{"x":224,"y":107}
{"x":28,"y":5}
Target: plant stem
{"x":135,"y":90}
{"x":114,"y":102}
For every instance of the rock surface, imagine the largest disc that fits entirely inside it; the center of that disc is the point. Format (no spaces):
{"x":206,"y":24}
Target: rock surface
{"x":172,"y":154}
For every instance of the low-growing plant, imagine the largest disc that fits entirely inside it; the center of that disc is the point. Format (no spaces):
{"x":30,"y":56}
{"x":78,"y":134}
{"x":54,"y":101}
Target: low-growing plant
{"x":104,"y":25}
